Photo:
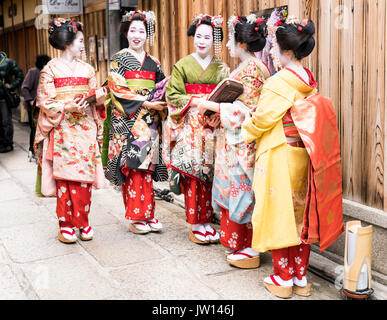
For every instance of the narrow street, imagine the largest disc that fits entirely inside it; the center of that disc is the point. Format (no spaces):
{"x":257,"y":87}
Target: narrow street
{"x":117,"y":264}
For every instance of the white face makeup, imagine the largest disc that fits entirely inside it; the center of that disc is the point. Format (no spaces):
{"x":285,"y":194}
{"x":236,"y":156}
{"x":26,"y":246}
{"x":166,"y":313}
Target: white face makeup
{"x":283,"y":59}
{"x":137,"y":35}
{"x":204,"y":40}
{"x":78,"y":46}
{"x":234,"y":49}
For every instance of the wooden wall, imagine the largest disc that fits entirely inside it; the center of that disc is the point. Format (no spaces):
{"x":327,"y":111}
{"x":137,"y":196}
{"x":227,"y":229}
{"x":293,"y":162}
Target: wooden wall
{"x":349,"y":63}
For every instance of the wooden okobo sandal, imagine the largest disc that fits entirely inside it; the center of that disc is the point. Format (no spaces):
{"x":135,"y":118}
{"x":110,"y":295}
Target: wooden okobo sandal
{"x":192,"y":237}
{"x":278,"y":290}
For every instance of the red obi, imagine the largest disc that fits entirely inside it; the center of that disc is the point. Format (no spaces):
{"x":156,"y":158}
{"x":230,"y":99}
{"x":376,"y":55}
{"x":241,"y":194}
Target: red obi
{"x":146,"y":75}
{"x":289,"y":126}
{"x":70,"y":81}
{"x":199,"y":88}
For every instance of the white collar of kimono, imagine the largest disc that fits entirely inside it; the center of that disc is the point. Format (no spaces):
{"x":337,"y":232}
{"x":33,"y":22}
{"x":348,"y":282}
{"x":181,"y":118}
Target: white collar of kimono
{"x":139,"y":56}
{"x":203,"y":62}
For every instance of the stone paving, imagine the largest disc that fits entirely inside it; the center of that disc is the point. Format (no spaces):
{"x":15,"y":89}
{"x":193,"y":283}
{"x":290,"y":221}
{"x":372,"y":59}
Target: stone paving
{"x":117,"y":264}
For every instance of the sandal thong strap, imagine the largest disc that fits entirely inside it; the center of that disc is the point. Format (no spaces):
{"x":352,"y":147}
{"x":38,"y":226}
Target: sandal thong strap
{"x":88,"y":230}
{"x":274,"y":281}
{"x":199,"y":233}
{"x":211,"y":233}
{"x":140,"y":223}
{"x":243,"y":254}
{"x":67,"y":232}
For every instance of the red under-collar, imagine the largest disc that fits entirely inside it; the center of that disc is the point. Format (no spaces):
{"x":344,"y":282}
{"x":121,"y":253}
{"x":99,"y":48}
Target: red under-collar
{"x":312,"y":81}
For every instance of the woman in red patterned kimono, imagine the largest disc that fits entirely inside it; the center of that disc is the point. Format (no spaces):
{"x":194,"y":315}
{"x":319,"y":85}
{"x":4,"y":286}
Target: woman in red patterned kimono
{"x":69,"y":133}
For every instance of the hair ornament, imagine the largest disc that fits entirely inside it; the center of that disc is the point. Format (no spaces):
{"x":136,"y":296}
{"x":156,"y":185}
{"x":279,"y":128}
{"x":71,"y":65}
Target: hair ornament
{"x":58,"y":22}
{"x":260,"y":21}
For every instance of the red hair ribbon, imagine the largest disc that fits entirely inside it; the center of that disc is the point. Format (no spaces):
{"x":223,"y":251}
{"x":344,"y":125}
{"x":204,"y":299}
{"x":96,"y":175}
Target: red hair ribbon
{"x":139,"y":14}
{"x":74,"y":25}
{"x":206,"y":16}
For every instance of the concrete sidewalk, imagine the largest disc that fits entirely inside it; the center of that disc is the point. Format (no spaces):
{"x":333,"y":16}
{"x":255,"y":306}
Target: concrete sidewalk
{"x":117,"y":264}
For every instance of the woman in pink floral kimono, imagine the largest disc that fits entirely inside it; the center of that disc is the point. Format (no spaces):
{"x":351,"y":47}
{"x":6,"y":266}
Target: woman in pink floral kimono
{"x":69,"y":131}
{"x":232,"y":193}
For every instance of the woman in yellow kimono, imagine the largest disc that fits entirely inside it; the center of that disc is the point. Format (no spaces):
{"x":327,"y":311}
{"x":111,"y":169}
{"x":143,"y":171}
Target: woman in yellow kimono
{"x":280,"y":190}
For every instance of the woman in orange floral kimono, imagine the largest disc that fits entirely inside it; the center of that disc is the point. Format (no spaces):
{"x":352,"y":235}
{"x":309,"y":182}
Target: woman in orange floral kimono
{"x":69,"y":132}
{"x":232,"y":193}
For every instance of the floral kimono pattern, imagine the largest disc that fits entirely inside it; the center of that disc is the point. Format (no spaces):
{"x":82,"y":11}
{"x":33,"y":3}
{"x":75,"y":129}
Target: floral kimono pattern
{"x":134,"y":138}
{"x":189,"y":143}
{"x":235,"y":159}
{"x":68,"y":144}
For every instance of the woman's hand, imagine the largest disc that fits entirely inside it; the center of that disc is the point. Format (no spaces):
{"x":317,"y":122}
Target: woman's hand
{"x":195,"y":102}
{"x":214,"y":120}
{"x":79,"y":105}
{"x":208,"y":105}
{"x":156,"y":105}
{"x":100,"y":95}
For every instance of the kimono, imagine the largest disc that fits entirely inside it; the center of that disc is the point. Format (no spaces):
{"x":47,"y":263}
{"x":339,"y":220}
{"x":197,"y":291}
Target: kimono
{"x":232,"y":192}
{"x":189,"y":142}
{"x":68,"y":144}
{"x":134,"y":154}
{"x":281,"y":173}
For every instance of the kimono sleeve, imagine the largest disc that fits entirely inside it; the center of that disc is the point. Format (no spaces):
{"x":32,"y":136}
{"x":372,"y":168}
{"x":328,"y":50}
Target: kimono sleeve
{"x":100,"y":109}
{"x":52,"y":110}
{"x":176,"y":94}
{"x":233,"y":115}
{"x":124,"y":100}
{"x":272,"y":107}
{"x":99,"y":112}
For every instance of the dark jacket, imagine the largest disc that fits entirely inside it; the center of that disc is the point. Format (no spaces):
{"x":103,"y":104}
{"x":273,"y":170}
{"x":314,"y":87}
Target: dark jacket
{"x":30,"y":84}
{"x":10,"y":73}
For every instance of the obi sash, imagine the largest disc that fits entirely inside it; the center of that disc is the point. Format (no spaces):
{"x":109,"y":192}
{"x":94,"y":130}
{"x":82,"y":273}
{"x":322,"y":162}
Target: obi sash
{"x":199,"y":88}
{"x":316,"y":123}
{"x":138,"y":80}
{"x":292,"y":136}
{"x":70,"y":81}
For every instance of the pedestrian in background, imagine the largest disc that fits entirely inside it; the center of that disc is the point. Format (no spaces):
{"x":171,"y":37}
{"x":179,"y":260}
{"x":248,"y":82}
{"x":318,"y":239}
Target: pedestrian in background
{"x":11,"y":77}
{"x":28,"y":91}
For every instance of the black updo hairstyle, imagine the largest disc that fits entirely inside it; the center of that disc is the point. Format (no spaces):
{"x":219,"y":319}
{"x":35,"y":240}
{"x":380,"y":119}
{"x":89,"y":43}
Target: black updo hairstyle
{"x":207,"y":21}
{"x":297,"y":37}
{"x":254,"y":35}
{"x":125,"y":25}
{"x":63,"y":35}
{"x":41,"y":61}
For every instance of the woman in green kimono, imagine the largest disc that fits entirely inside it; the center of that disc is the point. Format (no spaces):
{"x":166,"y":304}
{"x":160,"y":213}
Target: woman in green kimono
{"x":188,"y":135}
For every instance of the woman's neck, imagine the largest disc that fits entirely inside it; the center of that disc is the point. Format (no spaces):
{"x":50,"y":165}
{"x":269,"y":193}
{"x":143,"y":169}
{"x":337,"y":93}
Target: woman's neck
{"x":246,"y":55}
{"x":67,"y":56}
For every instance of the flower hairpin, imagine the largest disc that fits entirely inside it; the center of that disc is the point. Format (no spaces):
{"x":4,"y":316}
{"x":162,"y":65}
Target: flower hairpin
{"x":58,"y":22}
